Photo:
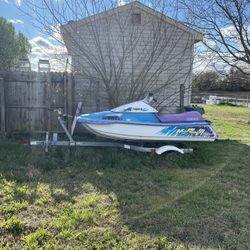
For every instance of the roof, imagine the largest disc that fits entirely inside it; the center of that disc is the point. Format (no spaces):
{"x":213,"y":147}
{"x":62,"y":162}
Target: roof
{"x":198,"y":36}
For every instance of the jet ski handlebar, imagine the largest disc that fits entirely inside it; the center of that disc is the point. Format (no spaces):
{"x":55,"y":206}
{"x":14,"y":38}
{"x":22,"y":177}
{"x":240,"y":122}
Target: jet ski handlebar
{"x":150,"y":98}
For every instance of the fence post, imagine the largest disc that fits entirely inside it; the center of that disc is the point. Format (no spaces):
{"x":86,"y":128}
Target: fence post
{"x":47,"y":97}
{"x":2,"y":105}
{"x":97,"y":95}
{"x":70,"y":94}
{"x":182,"y":92}
{"x":65,"y":95}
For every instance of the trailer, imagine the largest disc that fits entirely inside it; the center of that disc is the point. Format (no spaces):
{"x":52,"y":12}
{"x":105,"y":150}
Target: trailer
{"x":52,"y":141}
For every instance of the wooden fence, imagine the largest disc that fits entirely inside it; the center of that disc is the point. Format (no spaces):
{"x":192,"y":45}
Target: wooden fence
{"x":26,"y":100}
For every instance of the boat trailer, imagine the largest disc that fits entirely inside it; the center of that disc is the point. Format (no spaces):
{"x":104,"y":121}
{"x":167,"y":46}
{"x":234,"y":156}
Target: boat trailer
{"x":53,"y":142}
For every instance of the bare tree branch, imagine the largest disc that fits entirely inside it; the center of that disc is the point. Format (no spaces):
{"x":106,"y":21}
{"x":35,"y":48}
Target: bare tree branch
{"x":128,"y":59}
{"x":226,"y":24}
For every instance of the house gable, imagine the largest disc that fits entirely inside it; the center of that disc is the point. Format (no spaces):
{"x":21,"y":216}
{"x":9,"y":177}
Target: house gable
{"x":130,"y":54}
{"x":146,"y":9}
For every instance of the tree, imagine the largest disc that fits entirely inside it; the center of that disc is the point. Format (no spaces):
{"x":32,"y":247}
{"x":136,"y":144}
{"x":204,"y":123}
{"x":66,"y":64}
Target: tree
{"x":118,"y":54}
{"x":12,"y":46}
{"x":237,"y":81}
{"x":208,"y":80}
{"x":233,"y":80}
{"x":226,"y":24}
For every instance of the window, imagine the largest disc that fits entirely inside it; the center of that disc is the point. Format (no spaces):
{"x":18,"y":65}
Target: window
{"x":136,"y":18}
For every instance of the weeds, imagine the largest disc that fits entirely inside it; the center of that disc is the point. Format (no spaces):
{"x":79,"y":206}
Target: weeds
{"x":14,"y":225}
{"x":35,"y":240}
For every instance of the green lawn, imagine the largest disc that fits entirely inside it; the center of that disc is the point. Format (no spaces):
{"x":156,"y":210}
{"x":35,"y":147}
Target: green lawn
{"x":229,"y":121}
{"x":117,"y":199}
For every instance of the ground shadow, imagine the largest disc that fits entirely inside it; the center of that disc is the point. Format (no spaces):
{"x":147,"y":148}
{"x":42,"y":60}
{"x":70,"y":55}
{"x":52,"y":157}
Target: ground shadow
{"x":199,"y":199}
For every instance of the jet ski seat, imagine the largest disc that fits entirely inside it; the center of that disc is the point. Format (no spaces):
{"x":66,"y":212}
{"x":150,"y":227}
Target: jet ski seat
{"x":192,"y":116}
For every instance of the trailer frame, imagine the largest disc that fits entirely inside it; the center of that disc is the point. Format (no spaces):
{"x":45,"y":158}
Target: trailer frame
{"x":54,"y":142}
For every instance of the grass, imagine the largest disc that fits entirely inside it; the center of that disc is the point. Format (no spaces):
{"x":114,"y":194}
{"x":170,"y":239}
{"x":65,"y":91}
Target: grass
{"x":117,"y":199}
{"x":229,"y":121}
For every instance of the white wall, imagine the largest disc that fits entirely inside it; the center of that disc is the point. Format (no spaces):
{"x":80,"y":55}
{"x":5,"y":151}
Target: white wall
{"x":117,"y":53}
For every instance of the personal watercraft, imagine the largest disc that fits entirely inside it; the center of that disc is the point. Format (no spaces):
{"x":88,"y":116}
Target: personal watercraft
{"x":139,"y":121}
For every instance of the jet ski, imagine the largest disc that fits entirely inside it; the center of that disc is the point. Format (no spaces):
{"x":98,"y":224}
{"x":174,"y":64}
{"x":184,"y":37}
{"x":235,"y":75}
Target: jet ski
{"x":139,"y":121}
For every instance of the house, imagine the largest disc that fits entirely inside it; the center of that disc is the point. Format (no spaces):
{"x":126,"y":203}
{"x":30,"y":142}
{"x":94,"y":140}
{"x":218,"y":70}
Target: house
{"x":123,"y":53}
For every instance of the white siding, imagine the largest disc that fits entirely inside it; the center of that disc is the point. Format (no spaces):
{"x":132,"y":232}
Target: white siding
{"x":114,"y":49}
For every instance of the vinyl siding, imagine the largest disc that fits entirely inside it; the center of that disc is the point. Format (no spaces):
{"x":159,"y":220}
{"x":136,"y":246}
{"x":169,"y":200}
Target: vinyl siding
{"x":107,"y":39}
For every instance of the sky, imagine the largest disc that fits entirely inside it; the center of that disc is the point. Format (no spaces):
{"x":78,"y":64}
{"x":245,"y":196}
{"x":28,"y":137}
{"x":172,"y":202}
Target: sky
{"x":9,"y":10}
{"x":45,"y":47}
